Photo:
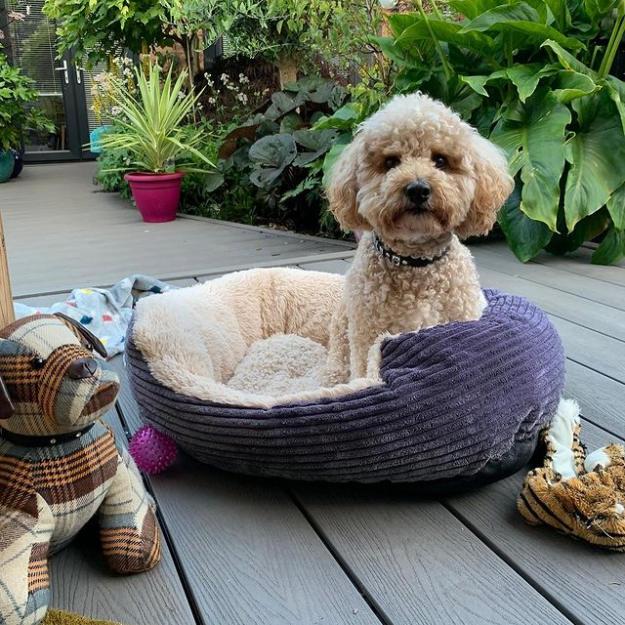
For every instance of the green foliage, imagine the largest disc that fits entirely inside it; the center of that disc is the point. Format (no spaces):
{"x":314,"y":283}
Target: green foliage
{"x":111,"y":168}
{"x":277,"y":156}
{"x":150,"y":125}
{"x":16,"y":92}
{"x":96,"y":29}
{"x":534,"y":76}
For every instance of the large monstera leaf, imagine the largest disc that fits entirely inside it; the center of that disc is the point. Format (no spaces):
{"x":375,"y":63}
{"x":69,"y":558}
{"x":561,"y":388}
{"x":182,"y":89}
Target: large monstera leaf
{"x":596,"y":154}
{"x":534,"y":134}
{"x":449,"y":32}
{"x":525,"y":236}
{"x":271,"y":155}
{"x":612,"y":248}
{"x":519,"y":19}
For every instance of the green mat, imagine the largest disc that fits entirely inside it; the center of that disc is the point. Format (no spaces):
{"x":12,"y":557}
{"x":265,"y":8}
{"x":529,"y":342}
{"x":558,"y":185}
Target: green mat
{"x":56,"y":617}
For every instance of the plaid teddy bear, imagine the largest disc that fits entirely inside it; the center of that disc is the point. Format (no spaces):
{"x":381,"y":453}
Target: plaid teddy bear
{"x":59,"y":464}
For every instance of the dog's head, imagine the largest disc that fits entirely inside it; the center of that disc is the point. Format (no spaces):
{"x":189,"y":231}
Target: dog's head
{"x":50,"y":383}
{"x":415,"y":171}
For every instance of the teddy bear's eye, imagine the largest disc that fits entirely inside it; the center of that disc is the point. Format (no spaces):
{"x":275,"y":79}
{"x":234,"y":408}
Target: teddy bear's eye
{"x":391,"y":161}
{"x":37,"y":362}
{"x":440,"y":162}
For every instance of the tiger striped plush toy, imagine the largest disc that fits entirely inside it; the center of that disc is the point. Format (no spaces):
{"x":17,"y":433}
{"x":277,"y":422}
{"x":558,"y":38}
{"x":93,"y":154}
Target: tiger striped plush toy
{"x":578,"y":495}
{"x":59,"y":464}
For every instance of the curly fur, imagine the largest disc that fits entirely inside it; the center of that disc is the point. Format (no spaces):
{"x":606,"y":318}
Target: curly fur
{"x":414,"y":132}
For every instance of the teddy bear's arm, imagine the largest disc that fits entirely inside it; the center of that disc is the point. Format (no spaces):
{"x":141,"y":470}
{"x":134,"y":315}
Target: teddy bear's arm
{"x":128,"y":526}
{"x":25,"y":532}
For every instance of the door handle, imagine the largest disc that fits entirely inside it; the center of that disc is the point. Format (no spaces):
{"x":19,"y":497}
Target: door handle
{"x":65,"y":71}
{"x":78,"y":74}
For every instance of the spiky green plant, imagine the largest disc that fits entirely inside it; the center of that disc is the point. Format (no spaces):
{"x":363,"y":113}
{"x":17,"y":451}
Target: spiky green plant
{"x":150,"y":125}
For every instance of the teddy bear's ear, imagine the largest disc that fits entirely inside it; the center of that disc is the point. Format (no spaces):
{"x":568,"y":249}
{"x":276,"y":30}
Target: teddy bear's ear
{"x":493,"y":186}
{"x":7,"y":407}
{"x":343,"y":188}
{"x":84,"y":334}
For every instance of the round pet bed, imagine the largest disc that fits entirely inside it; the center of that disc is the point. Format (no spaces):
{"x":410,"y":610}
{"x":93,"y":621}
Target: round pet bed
{"x":460,"y":403}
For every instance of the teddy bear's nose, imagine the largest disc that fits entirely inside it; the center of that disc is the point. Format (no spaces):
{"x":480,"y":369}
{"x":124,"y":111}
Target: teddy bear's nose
{"x":418,"y":191}
{"x":82,"y":368}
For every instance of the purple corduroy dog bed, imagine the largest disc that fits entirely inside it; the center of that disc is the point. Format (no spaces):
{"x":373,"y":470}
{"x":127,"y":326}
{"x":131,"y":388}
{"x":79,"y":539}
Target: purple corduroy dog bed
{"x":459,"y":405}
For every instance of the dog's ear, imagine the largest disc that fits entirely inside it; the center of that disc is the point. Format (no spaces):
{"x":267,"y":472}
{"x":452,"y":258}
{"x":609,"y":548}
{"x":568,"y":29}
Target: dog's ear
{"x":343,"y":188}
{"x":7,"y":408}
{"x":493,"y":186}
{"x":83,"y":334}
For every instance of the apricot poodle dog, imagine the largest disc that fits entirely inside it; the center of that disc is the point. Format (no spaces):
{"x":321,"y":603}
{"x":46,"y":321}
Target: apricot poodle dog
{"x":416,"y":179}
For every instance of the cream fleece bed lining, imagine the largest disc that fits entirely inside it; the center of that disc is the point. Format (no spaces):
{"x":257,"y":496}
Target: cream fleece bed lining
{"x":255,"y":338}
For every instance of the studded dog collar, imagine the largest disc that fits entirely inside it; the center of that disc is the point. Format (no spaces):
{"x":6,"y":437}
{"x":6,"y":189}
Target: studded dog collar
{"x":405,"y":261}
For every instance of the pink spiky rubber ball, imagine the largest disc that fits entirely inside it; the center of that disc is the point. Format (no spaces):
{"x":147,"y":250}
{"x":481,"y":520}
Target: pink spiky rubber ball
{"x":152,"y":450}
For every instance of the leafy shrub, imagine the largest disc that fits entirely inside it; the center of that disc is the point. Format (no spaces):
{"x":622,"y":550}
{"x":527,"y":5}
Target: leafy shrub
{"x":277,"y":156}
{"x":534,"y":76}
{"x":16,"y":92}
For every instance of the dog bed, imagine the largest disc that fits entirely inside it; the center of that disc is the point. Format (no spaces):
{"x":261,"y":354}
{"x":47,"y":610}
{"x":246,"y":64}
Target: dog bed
{"x":459,"y":404}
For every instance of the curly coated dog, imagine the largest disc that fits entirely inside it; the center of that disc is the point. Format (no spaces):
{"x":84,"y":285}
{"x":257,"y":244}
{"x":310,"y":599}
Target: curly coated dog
{"x":416,"y":179}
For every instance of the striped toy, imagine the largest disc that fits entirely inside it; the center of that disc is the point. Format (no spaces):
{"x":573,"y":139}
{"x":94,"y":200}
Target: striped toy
{"x":59,"y":464}
{"x":579,"y":495}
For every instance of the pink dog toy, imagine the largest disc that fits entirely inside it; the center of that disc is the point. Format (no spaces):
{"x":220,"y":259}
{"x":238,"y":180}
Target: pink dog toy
{"x":152,"y":451}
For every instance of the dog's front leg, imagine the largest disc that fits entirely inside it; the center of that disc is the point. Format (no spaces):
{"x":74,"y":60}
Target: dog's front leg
{"x":337,"y":364}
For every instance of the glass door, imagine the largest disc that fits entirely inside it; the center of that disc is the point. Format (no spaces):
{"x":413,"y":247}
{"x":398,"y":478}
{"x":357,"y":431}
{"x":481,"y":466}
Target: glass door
{"x":31,"y":45}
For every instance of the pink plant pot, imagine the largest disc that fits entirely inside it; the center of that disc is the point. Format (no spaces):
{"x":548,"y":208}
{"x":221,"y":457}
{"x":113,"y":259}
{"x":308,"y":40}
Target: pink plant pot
{"x":157,"y":195}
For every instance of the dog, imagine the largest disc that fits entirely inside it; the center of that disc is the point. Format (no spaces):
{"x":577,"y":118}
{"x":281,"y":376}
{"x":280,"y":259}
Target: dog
{"x":416,"y":179}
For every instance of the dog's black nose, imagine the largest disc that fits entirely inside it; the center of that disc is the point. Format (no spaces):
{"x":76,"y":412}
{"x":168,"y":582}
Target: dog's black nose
{"x":418,"y":191}
{"x":82,"y":368}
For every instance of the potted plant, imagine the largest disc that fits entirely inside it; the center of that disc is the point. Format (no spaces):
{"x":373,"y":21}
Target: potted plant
{"x":150,"y":126}
{"x":16,"y":91}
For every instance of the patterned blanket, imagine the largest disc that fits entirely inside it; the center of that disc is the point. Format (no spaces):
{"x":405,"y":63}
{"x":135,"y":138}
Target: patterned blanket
{"x":106,"y":312}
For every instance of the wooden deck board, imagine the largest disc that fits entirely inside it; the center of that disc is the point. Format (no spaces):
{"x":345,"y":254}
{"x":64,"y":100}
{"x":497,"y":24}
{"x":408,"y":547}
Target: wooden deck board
{"x":418,"y":564}
{"x":77,"y":237}
{"x":494,"y":257}
{"x":584,"y":582}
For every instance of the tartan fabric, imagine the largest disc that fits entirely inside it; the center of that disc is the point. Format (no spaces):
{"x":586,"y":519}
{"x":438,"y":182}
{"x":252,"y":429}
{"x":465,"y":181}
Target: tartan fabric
{"x":47,"y":494}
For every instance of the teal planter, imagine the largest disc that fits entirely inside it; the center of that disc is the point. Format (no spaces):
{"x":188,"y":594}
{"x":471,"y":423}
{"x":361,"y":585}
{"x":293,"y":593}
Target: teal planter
{"x":7,"y":162}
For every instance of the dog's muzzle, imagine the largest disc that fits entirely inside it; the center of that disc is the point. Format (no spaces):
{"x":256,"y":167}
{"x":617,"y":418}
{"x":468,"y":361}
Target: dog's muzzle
{"x":418,"y":192}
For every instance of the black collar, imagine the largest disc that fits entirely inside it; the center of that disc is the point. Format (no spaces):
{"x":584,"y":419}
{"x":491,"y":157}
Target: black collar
{"x":23,"y":440}
{"x":408,"y":261}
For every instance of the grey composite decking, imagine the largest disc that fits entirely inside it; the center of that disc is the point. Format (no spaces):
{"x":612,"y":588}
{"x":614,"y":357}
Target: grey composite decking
{"x":251,"y":551}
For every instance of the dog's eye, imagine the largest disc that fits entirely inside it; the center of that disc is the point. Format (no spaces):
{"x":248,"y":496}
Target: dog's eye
{"x":37,"y":362}
{"x":440,"y":162}
{"x":391,"y":161}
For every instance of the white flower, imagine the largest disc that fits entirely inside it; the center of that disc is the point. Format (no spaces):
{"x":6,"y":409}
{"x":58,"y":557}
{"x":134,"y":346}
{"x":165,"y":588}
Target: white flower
{"x":241,"y":97}
{"x":127,"y":161}
{"x":224,"y":78}
{"x":243,"y":79}
{"x":212,"y":100}
{"x":181,"y":95}
{"x":115,"y":111}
